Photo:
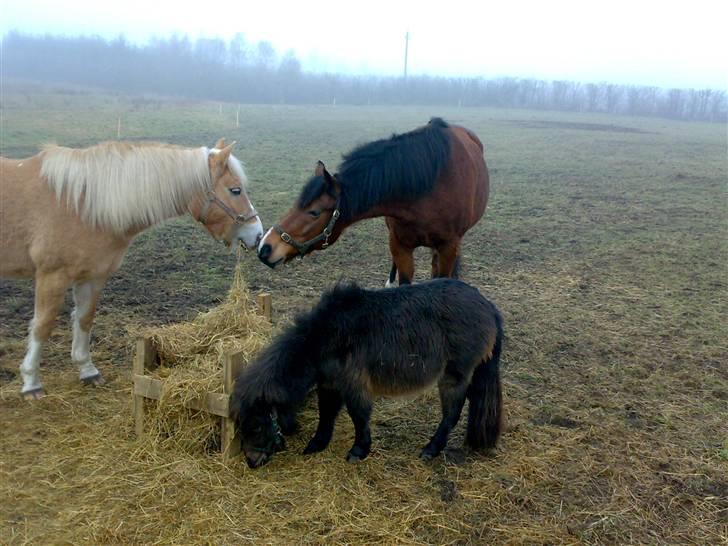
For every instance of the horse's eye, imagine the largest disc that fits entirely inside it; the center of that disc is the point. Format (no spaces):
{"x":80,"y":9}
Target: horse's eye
{"x":236,"y":190}
{"x":315,"y":213}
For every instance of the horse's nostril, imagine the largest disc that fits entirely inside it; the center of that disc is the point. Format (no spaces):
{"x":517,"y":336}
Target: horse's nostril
{"x":265,"y":251}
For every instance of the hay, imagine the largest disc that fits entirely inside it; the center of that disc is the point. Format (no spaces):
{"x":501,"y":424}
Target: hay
{"x":191,"y":355}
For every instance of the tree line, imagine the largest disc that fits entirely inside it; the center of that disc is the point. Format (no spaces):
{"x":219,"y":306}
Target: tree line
{"x":248,"y":72}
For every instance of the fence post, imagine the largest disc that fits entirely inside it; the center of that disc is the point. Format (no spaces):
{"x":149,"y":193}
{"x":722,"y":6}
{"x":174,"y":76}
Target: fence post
{"x":144,"y":358}
{"x":265,"y":305}
{"x":232,"y":363}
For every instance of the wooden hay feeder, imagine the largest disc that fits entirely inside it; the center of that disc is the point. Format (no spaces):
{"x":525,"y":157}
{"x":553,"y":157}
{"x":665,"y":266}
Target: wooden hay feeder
{"x":218,"y":404}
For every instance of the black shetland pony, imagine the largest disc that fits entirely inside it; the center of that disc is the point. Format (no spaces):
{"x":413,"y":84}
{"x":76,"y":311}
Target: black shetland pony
{"x":357,"y":344}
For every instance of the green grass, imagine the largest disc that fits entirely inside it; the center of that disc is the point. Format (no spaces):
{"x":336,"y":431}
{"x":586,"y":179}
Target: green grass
{"x":605,"y":249}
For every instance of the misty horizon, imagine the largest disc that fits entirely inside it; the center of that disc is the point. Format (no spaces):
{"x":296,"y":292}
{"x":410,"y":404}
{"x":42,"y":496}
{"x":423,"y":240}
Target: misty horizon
{"x":649,"y":44}
{"x":249,"y":72}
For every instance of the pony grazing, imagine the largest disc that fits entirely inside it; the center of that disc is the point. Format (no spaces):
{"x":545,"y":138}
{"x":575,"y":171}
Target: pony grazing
{"x":69,"y":215}
{"x":430,"y":184}
{"x":357,"y":344}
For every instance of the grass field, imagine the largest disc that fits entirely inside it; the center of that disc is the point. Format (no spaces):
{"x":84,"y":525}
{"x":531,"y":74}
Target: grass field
{"x":604,"y":245}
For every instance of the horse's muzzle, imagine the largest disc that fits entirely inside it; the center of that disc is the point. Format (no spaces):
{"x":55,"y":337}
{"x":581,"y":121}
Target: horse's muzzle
{"x":257,"y":459}
{"x":264,"y":254}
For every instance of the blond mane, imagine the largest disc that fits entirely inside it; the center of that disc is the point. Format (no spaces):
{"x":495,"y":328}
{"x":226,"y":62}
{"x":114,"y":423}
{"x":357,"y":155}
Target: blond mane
{"x":123,"y":186}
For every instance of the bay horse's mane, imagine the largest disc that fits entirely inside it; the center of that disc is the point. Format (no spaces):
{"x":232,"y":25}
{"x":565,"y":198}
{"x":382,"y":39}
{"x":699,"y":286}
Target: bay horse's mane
{"x":400,"y":168}
{"x":123,"y":185}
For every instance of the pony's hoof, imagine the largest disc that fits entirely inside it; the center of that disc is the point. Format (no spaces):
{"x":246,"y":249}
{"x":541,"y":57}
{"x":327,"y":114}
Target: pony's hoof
{"x":427,"y":455}
{"x":356,"y":454}
{"x":95,"y":380}
{"x":429,"y":452}
{"x":35,"y":394}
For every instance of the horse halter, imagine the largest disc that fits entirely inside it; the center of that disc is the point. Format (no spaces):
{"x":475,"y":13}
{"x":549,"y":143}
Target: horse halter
{"x":302,"y":248}
{"x":277,"y":435}
{"x":212,"y":198}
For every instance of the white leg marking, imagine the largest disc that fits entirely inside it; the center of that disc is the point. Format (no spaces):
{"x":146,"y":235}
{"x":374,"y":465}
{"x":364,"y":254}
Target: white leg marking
{"x":389,"y":284}
{"x":30,"y":368}
{"x":80,"y":354}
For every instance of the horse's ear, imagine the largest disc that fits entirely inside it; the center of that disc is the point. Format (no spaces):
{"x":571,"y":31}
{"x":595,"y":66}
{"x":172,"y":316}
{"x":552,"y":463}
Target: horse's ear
{"x":333,"y":186}
{"x":320,"y":169}
{"x":225,"y":153}
{"x":220,"y":144}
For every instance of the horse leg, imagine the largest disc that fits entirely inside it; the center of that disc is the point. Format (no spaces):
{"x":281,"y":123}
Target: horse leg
{"x":392,"y":276}
{"x":448,"y":259}
{"x":85,"y":296}
{"x":50,"y":290}
{"x":435,"y":263}
{"x":403,"y":260}
{"x":360,"y":409}
{"x":329,"y":402}
{"x":453,"y":389}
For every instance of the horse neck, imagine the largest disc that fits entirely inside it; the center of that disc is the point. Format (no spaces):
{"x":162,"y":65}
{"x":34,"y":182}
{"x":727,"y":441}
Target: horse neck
{"x":398,"y":210}
{"x":191,"y":208}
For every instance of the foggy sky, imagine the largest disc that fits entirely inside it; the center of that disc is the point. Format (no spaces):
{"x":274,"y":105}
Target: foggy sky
{"x":668,"y":44}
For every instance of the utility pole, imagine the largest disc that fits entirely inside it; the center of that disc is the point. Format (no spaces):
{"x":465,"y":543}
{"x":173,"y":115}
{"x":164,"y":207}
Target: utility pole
{"x":406,"y":50}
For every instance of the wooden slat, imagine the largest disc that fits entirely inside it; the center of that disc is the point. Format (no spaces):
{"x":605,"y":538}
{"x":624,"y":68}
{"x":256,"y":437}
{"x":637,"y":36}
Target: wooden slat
{"x":215,"y":403}
{"x":147,"y":387}
{"x":231,"y":366}
{"x":144,"y":357}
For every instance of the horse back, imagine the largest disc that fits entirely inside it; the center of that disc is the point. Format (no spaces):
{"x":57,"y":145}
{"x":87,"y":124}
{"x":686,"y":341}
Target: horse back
{"x":457,"y":202}
{"x":39,"y":233}
{"x":403,"y":340}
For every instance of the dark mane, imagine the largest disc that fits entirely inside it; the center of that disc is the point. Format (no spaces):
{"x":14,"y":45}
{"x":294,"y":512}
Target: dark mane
{"x":287,"y":361}
{"x":401,"y":167}
{"x":312,"y":191}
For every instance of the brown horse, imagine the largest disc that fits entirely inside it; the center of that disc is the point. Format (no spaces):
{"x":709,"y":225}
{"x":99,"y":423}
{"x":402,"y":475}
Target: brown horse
{"x":67,"y":217}
{"x":430,"y":184}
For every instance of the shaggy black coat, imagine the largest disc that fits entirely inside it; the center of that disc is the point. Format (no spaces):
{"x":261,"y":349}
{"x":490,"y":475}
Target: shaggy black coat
{"x":357,"y":344}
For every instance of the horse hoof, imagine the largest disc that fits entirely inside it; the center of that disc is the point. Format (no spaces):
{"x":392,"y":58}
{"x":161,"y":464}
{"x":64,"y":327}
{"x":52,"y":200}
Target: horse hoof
{"x":35,"y":394}
{"x":429,"y":452}
{"x":356,"y":454}
{"x":427,"y":455}
{"x":95,"y":380}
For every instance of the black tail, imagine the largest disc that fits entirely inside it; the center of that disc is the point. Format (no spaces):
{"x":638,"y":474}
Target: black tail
{"x":486,"y":398}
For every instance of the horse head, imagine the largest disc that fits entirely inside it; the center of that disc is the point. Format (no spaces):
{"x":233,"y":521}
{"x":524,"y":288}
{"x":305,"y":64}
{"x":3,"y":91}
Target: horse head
{"x":309,"y":225}
{"x":260,"y":435}
{"x":225,"y":210}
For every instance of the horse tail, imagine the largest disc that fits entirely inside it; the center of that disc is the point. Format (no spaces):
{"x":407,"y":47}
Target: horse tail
{"x":486,"y":398}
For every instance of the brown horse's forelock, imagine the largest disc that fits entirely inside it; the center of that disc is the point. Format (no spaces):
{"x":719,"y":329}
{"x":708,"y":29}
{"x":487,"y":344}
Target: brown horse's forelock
{"x":313,"y":189}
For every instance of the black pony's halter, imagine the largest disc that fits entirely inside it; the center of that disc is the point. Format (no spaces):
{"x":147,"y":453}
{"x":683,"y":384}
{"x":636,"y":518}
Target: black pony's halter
{"x":212,"y":198}
{"x":302,"y":248}
{"x":267,"y":450}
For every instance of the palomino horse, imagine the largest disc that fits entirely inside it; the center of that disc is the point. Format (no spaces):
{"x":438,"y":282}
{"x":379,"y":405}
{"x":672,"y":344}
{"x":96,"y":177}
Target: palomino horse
{"x":358,"y":344}
{"x":430,"y":184}
{"x":67,"y":217}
